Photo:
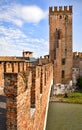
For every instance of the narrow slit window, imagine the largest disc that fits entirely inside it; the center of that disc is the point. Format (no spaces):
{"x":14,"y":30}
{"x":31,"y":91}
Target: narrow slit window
{"x":63,"y":61}
{"x":63,"y":74}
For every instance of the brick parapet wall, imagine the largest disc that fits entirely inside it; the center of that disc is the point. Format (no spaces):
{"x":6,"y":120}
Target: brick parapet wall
{"x":77,"y":55}
{"x":43,"y":60}
{"x":11,"y":101}
{"x":44,"y":98}
{"x":12,"y":67}
{"x":20,"y":115}
{"x":1,"y":75}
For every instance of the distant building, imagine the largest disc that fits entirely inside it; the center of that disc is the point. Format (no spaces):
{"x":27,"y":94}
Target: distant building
{"x":28,"y":54}
{"x":77,"y":66}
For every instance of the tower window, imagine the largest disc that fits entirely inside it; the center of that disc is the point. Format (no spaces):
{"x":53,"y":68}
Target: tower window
{"x":63,"y":61}
{"x":60,"y":17}
{"x":45,"y":78}
{"x":65,"y":51}
{"x":66,"y":18}
{"x":63,"y":74}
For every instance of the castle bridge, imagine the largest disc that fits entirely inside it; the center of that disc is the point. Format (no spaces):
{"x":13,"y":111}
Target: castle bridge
{"x":27,"y":85}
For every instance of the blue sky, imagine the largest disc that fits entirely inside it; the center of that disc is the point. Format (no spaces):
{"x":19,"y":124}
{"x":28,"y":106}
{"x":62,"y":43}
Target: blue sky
{"x":24,"y":26}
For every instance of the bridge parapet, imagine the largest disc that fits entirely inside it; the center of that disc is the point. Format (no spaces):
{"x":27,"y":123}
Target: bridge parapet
{"x":77,"y":54}
{"x":27,"y":95}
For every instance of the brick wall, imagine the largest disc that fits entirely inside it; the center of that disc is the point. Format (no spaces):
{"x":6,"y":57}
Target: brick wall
{"x":1,"y":75}
{"x":12,"y":67}
{"x":20,"y":112}
{"x":60,"y":29}
{"x":77,"y":62}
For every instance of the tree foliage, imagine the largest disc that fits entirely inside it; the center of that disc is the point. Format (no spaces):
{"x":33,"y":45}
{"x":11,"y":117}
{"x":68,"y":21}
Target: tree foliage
{"x":79,"y":82}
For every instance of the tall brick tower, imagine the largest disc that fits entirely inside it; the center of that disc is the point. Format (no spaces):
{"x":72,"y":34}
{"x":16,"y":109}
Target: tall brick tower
{"x":60,"y":36}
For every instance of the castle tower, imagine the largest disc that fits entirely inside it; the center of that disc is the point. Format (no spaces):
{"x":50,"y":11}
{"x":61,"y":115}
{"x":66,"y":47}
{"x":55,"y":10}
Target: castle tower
{"x":60,"y":36}
{"x":27,"y":54}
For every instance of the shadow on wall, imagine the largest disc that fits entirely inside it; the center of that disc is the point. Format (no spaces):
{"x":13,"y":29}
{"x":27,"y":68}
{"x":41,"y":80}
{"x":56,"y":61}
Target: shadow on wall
{"x":2,"y":112}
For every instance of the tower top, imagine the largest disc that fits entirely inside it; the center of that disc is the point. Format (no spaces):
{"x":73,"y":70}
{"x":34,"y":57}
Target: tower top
{"x":60,"y":9}
{"x":27,"y":54}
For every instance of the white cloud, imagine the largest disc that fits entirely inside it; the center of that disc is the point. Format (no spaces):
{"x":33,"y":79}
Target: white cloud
{"x":18,"y":14}
{"x":33,"y":13}
{"x":13,"y":41}
{"x":8,"y":14}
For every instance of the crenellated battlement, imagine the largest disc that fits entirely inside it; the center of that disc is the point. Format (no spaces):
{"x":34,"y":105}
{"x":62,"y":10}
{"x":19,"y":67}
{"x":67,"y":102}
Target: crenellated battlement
{"x":60,"y":9}
{"x":27,"y":94}
{"x":77,"y":54}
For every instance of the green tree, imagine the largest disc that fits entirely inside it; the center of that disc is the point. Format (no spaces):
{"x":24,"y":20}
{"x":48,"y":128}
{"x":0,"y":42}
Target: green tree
{"x":79,"y":82}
